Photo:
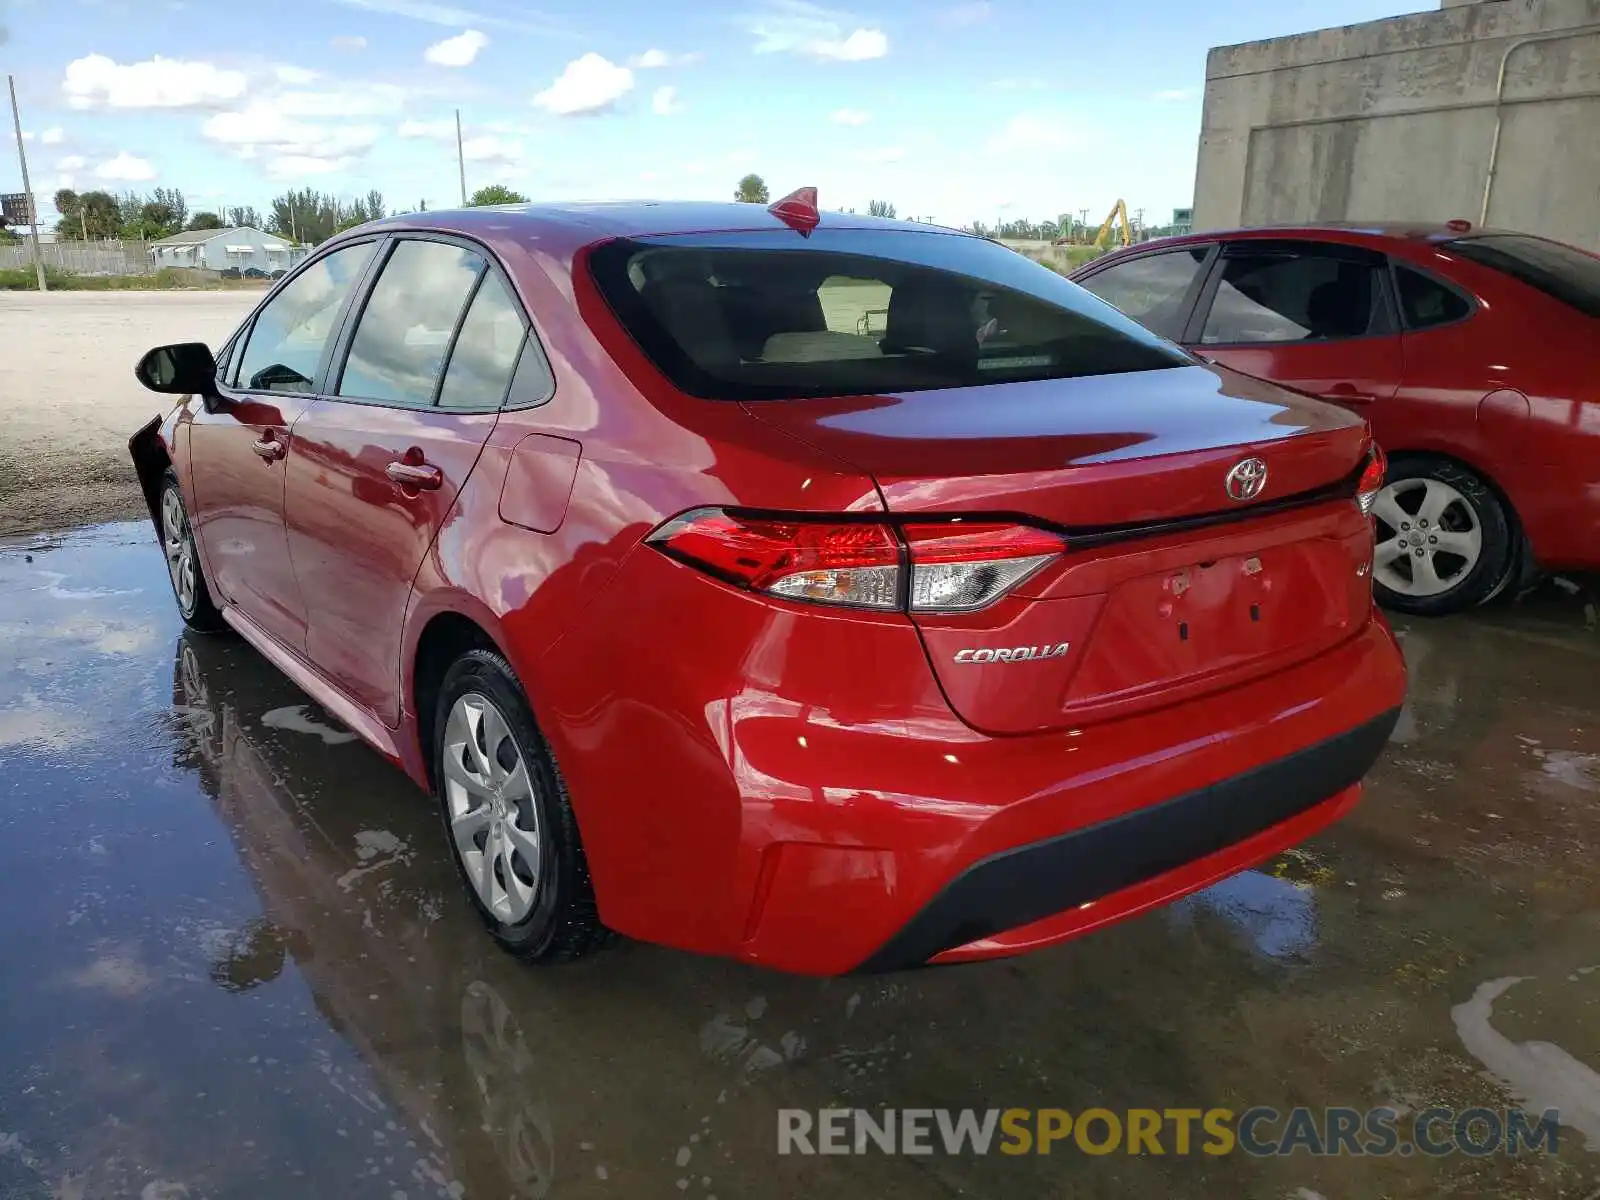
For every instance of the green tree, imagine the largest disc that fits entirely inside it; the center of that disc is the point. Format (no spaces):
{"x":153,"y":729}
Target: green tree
{"x":204,"y":220}
{"x":752,"y":190}
{"x":244,"y":217}
{"x":172,"y":200}
{"x":96,"y":213}
{"x":495,"y":193}
{"x":880,"y":208}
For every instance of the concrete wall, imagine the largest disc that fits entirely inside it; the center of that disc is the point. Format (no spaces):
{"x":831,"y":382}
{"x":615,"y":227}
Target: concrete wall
{"x":1393,"y":120}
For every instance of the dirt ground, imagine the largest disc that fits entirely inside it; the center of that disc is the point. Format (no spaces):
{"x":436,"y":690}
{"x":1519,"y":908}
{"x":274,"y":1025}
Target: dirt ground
{"x":68,"y":399}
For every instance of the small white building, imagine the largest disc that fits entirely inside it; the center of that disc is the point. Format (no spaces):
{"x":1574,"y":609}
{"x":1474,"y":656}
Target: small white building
{"x":219,"y":249}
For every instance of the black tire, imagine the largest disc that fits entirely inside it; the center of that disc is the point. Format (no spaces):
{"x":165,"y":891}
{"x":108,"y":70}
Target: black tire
{"x":198,"y":611}
{"x":564,"y":923}
{"x":1468,"y":584}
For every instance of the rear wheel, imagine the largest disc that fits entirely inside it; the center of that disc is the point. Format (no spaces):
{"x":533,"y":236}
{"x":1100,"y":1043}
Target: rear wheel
{"x":508,"y":818}
{"x":1444,"y":539}
{"x":183,"y":561}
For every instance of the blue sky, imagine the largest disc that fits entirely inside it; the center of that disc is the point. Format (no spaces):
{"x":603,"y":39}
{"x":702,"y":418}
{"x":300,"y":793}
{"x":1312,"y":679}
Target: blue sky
{"x":951,"y":109}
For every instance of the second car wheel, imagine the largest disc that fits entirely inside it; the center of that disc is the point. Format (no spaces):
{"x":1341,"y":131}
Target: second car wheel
{"x":1444,"y":539}
{"x":189,"y":588}
{"x":508,"y":818}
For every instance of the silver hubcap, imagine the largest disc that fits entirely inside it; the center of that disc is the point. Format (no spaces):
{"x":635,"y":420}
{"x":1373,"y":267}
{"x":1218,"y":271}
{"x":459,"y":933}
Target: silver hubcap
{"x":492,"y":814}
{"x":180,"y":549}
{"x":1429,"y":538}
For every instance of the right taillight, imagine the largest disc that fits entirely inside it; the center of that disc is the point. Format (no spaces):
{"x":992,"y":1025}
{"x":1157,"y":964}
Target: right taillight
{"x":1371,"y":482}
{"x":954,"y":566}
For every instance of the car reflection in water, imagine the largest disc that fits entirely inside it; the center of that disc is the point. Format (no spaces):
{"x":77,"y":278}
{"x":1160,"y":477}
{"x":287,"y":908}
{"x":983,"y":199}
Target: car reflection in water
{"x":335,"y":905}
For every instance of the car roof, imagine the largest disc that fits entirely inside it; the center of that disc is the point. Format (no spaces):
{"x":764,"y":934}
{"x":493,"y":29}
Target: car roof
{"x":565,"y":227}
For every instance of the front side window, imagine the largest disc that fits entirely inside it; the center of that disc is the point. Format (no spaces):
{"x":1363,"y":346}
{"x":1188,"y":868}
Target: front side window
{"x":753,"y":316}
{"x":1152,"y":288}
{"x":1280,"y":297}
{"x":1426,"y":302}
{"x":1569,"y":275}
{"x":404,"y":332}
{"x":291,"y":331}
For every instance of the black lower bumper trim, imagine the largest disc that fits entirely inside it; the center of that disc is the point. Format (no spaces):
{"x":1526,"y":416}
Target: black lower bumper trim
{"x":1020,"y":886}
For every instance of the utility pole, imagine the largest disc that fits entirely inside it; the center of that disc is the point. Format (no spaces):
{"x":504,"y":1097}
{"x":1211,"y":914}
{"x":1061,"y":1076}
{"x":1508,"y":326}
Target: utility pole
{"x":461,"y":160}
{"x":27,"y":188}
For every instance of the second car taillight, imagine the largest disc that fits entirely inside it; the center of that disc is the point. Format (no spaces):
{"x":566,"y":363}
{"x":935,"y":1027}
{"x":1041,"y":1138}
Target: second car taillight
{"x":954,"y":566}
{"x":1371,"y":482}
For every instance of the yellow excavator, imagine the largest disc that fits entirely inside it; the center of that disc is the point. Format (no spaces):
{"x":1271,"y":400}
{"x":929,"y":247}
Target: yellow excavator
{"x":1119,"y":209}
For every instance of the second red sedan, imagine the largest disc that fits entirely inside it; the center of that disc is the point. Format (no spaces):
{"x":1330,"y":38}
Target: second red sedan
{"x":826,"y":592}
{"x":1470,"y":352}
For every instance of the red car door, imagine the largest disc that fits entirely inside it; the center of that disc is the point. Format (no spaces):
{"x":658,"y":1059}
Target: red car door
{"x":1317,"y":316}
{"x":379,"y":460}
{"x":239,"y":446}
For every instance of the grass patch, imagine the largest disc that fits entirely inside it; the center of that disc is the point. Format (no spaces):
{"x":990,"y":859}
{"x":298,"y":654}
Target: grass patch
{"x":168,"y":279}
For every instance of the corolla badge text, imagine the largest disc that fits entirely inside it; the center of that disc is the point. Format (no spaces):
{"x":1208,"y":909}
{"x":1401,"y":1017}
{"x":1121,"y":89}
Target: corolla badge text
{"x":1019,"y":654}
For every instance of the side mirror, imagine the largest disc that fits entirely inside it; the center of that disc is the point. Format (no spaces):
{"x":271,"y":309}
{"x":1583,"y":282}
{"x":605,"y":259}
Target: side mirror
{"x":184,"y":369}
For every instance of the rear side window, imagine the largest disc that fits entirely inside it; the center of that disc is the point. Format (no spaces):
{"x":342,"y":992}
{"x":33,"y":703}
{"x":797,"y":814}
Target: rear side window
{"x":484,"y":357}
{"x":1151,"y":289}
{"x":752,"y":316}
{"x":1294,"y":298}
{"x":405,"y":328}
{"x":290,"y":332}
{"x":1425,"y":302}
{"x":1570,"y":275}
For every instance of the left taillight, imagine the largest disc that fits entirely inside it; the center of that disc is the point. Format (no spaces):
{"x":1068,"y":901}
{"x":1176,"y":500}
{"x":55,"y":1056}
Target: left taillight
{"x":949,"y":566}
{"x":1371,"y":482}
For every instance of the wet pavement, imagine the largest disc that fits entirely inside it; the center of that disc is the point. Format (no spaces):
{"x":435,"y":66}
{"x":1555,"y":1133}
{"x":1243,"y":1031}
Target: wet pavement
{"x":235,"y":960}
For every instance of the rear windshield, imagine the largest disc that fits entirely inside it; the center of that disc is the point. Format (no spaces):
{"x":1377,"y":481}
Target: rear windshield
{"x":1569,"y":275}
{"x":771,"y":316}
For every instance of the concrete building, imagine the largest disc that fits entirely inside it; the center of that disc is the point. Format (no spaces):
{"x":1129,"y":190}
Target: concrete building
{"x":219,"y":249}
{"x":1488,"y":111}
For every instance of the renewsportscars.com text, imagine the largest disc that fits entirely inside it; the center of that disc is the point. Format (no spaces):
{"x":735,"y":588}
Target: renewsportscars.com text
{"x":1435,"y":1132}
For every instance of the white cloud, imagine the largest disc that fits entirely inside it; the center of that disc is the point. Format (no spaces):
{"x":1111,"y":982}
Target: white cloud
{"x":849,"y":116}
{"x":665,"y":102}
{"x":858,"y":47}
{"x":53,"y":136}
{"x":96,"y":81}
{"x":1030,"y":133}
{"x":289,"y":145}
{"x":653,"y":59}
{"x":298,"y":76}
{"x":125,"y":168}
{"x":491,"y":150}
{"x":342,"y":100}
{"x":73,"y":162}
{"x":458,"y":51}
{"x":439,"y":129}
{"x":296,"y":166}
{"x":588,"y":85}
{"x":1176,"y":94}
{"x":529,"y":21}
{"x":967,"y":14}
{"x":350,"y":45}
{"x":800,"y":27}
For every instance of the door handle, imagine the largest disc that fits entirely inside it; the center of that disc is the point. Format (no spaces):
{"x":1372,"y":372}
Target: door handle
{"x":269,"y":448}
{"x":416,"y":475}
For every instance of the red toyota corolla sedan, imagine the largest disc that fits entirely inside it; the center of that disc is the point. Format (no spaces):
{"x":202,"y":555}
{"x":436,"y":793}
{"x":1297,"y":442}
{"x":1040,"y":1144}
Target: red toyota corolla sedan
{"x":1470,"y":352}
{"x":825,"y":592}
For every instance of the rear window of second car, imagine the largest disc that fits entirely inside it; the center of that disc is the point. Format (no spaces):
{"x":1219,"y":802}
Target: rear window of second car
{"x":769,"y":315}
{"x":1567,"y":274}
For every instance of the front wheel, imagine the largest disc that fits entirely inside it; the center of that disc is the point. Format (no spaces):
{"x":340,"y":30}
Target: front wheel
{"x":1444,"y":539}
{"x":189,"y":589}
{"x":508,"y":817}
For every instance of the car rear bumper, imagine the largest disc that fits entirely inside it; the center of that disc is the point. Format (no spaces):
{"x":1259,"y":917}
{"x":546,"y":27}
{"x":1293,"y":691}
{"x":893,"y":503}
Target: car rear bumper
{"x":1004,"y":904}
{"x":1044,"y":847}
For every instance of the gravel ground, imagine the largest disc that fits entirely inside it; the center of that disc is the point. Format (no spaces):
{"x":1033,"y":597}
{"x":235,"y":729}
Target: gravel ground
{"x":69,"y":399}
